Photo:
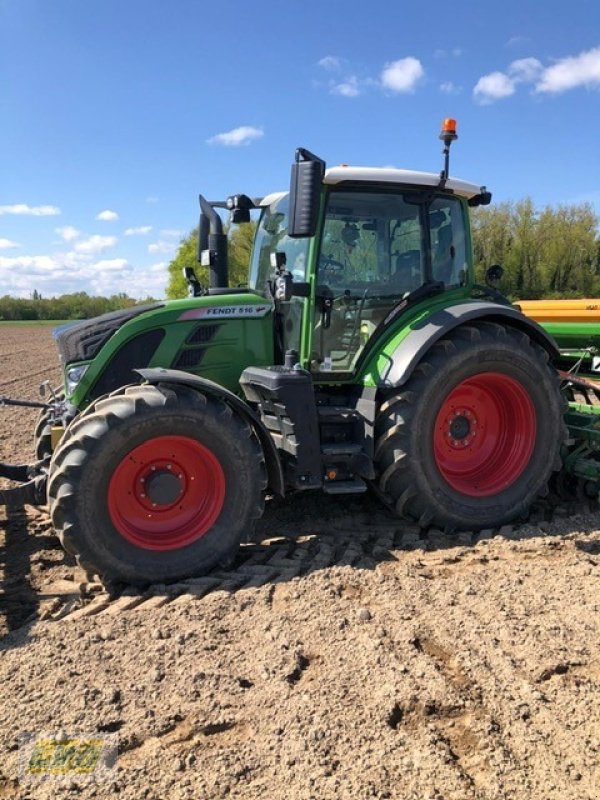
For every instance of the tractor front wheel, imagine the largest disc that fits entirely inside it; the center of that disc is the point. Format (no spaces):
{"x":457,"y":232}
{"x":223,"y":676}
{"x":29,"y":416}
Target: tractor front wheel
{"x":472,"y":438}
{"x":156,"y":483}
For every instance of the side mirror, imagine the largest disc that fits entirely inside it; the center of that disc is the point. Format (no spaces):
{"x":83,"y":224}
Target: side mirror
{"x":195,"y":288}
{"x":239,"y":206}
{"x":305,"y":187}
{"x":493,"y":275}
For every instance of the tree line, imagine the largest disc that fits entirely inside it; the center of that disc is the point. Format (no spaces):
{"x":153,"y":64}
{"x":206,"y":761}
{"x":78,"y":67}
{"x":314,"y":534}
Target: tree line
{"x":78,"y":305}
{"x":547,"y":253}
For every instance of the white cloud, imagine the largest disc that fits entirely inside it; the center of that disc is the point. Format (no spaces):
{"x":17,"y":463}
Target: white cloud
{"x":238,"y":136}
{"x":95,"y":244}
{"x":22,"y":209}
{"x":107,"y":215}
{"x":498,"y":85}
{"x":567,"y":73}
{"x":332,"y":63}
{"x":171,"y":233}
{"x":31,"y":264}
{"x":112,"y":265}
{"x":572,"y":72}
{"x":348,"y":88}
{"x":450,"y":88}
{"x":7,"y":244}
{"x":162,"y":247}
{"x":142,"y":230}
{"x":402,"y":75}
{"x":152,"y":199}
{"x":60,"y":273}
{"x":525,"y":70}
{"x":492,"y":87}
{"x":68,"y":233}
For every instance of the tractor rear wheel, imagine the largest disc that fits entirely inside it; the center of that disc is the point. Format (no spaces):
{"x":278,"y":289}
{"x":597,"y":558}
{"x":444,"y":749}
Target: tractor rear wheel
{"x":472,"y":438}
{"x":156,"y":483}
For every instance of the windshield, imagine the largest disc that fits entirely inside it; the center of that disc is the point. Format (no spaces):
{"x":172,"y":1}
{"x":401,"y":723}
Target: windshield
{"x":271,"y":237}
{"x":377,"y":247}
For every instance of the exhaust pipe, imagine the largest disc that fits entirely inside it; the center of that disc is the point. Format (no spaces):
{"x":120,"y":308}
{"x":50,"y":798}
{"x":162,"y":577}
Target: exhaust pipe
{"x":212,"y":245}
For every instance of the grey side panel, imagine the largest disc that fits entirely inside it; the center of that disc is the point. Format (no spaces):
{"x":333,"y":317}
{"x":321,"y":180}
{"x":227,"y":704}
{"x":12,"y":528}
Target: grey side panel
{"x":408,"y":354}
{"x":274,"y":469}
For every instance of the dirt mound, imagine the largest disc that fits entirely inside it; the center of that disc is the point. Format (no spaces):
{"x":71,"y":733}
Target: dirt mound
{"x":343,"y":655}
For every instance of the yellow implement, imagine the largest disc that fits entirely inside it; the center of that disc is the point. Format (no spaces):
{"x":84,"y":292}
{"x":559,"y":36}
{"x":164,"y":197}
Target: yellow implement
{"x":586,"y":310}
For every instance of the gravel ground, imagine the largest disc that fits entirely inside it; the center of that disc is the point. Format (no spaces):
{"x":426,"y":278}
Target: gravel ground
{"x":430,"y":668}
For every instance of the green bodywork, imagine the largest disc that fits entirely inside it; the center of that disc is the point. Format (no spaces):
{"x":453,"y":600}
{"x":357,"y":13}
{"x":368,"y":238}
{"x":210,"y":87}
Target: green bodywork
{"x":236,"y":342}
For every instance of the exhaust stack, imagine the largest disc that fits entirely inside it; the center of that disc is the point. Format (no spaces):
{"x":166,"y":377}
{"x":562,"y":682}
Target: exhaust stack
{"x":212,"y":245}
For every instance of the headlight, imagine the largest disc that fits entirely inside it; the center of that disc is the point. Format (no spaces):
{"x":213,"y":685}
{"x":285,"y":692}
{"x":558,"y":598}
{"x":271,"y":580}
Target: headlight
{"x":74,"y":375}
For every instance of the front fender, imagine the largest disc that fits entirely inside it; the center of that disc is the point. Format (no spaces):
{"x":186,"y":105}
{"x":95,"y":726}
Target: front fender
{"x":274,"y":470}
{"x":408,"y":353}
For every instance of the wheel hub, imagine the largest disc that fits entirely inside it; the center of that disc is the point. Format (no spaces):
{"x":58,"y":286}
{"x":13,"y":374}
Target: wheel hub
{"x":461,"y":427}
{"x":163,"y":487}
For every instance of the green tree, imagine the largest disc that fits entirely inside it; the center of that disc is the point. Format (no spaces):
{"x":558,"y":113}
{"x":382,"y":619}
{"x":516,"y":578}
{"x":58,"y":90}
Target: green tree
{"x":552,"y":253}
{"x":241,"y":238}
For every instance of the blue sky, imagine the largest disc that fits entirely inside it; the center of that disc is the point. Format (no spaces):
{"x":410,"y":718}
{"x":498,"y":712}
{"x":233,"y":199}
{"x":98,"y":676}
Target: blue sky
{"x":116,"y":113}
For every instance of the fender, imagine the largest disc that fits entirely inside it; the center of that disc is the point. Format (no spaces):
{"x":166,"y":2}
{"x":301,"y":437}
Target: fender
{"x":274,"y":471}
{"x":413,"y":347}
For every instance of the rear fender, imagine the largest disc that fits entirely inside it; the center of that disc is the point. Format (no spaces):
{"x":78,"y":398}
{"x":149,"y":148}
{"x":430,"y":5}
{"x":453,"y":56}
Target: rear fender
{"x":158,"y":375}
{"x":402,"y":361}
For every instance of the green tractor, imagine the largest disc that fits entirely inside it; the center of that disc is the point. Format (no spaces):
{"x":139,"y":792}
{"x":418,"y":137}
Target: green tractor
{"x":360,"y":355}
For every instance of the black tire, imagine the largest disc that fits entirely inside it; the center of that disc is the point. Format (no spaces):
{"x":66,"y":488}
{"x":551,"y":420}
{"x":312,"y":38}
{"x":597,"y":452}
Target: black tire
{"x":101,"y":441}
{"x":411,"y":477}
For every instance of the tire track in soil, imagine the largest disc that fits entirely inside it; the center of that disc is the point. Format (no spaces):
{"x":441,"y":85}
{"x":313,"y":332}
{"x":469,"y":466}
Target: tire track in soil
{"x":288,"y":549}
{"x":467,"y":728}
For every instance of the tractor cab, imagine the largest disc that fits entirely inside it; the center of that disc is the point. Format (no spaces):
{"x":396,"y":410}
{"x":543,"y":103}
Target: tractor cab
{"x":378,"y":238}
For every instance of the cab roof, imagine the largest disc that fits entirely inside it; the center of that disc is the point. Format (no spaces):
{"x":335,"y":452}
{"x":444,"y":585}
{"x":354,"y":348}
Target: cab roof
{"x":405,"y":177}
{"x":401,"y":177}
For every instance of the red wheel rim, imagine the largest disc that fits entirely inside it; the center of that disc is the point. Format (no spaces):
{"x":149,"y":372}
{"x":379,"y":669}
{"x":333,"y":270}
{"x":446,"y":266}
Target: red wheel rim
{"x":484,"y":434}
{"x":166,"y":493}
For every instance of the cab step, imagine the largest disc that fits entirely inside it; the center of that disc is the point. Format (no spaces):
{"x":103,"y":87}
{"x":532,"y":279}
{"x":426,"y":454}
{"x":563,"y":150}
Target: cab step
{"x":355,"y":486}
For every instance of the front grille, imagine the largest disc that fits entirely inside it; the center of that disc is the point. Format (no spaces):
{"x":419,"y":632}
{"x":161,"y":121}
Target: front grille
{"x":82,"y":341}
{"x":135,"y":354}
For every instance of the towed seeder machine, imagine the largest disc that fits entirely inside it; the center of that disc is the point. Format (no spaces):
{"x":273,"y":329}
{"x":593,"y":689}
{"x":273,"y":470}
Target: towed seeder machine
{"x":361,"y":354}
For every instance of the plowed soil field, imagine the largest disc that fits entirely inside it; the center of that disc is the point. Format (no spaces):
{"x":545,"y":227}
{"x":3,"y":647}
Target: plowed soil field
{"x":344,"y":654}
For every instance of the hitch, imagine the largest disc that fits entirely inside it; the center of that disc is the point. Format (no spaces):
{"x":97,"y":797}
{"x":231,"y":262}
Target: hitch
{"x":6,"y":401}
